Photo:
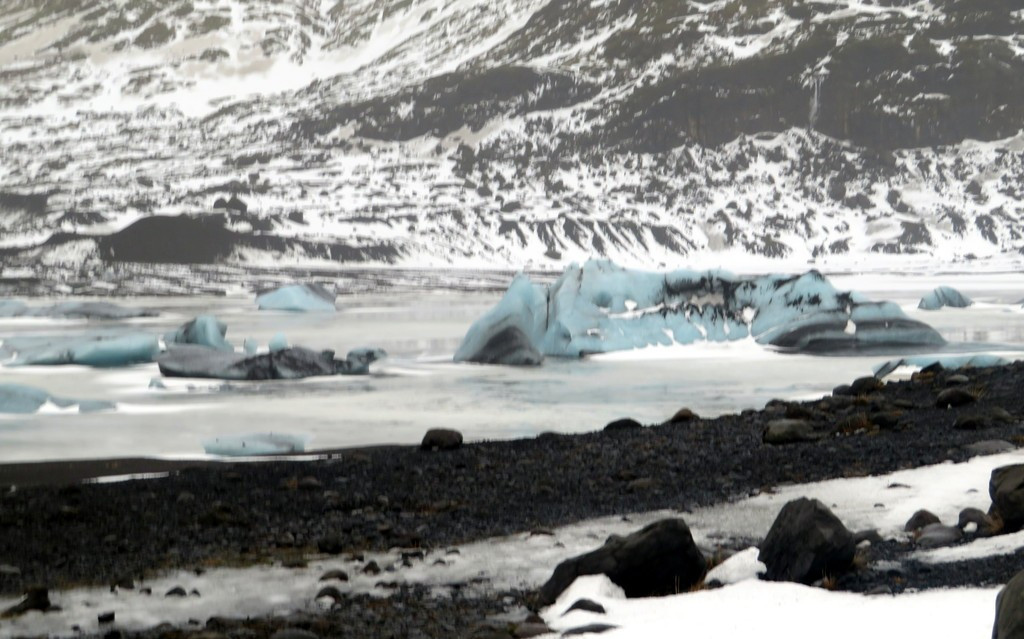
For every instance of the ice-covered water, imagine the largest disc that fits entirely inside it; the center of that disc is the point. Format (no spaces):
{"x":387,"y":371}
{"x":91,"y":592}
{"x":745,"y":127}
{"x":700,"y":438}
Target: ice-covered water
{"x":418,"y":387}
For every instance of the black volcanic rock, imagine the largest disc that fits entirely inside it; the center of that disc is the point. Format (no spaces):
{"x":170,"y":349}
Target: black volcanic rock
{"x":806,"y":543}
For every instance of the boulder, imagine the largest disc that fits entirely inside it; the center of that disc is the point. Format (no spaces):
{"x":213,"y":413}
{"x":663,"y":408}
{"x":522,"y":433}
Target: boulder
{"x":788,"y":431}
{"x":935,"y":535}
{"x":987,"y":526}
{"x":920,"y":519}
{"x":684,"y":415}
{"x":805,"y":543}
{"x":660,"y":559}
{"x":441,"y":439}
{"x":1009,"y":622}
{"x":1006,"y":488}
{"x":619,"y":425}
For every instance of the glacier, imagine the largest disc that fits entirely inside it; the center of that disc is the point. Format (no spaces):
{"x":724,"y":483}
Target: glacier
{"x":297,"y":298}
{"x":944,"y":296}
{"x":602,"y":307}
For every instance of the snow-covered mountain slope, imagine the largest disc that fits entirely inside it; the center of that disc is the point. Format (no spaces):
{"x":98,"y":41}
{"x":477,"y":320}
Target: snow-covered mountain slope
{"x":511,"y":133}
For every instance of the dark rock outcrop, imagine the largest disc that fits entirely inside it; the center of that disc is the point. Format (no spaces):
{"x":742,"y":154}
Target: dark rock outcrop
{"x":806,"y":543}
{"x":659,"y":559}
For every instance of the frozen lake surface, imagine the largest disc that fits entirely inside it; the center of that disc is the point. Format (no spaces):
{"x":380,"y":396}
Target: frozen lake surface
{"x":418,"y":387}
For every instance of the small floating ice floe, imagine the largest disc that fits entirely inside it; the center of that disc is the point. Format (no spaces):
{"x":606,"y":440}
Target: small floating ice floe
{"x":73,"y":310}
{"x":204,"y":330}
{"x":100,"y":351}
{"x":256,"y":444}
{"x":297,"y":297}
{"x":25,"y":400}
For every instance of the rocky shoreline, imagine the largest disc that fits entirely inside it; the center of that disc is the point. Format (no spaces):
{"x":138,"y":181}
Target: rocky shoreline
{"x":67,"y":534}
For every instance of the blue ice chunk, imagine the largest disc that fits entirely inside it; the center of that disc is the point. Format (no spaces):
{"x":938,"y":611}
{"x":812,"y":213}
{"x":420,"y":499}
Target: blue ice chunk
{"x":15,"y":398}
{"x":205,"y":330}
{"x":601,"y":307}
{"x":12,"y":308}
{"x":250,"y":346}
{"x":358,"y":360}
{"x":981,"y":360}
{"x":944,"y":296}
{"x":277,"y":343}
{"x":24,"y":400}
{"x":297,"y":297}
{"x":99,"y":351}
{"x":520,"y":317}
{"x":256,"y":444}
{"x":190,"y":360}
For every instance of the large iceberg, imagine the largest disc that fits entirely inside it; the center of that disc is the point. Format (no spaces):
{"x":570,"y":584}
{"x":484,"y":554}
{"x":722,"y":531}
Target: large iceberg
{"x":297,"y":297}
{"x":90,"y":350}
{"x":24,"y":400}
{"x":601,"y":307}
{"x":74,"y":310}
{"x":189,"y":360}
{"x":944,"y":296}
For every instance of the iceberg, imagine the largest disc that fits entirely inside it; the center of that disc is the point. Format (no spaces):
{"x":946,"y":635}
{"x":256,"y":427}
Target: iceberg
{"x":101,"y":351}
{"x":278,"y":342}
{"x":944,"y":296}
{"x":204,"y":330}
{"x":601,"y":307}
{"x":256,"y":444}
{"x":983,"y":360}
{"x":297,"y":297}
{"x":190,"y":360}
{"x":25,"y":400}
{"x":74,"y":310}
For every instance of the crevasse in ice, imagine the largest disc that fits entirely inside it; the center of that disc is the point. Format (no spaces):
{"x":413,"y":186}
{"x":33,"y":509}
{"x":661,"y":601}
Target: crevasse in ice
{"x":601,"y":307}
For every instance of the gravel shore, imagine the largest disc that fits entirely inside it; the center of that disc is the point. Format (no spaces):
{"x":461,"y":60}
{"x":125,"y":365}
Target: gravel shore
{"x":59,"y":532}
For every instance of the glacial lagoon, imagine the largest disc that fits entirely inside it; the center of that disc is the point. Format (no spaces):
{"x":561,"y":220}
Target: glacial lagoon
{"x":419,"y":387}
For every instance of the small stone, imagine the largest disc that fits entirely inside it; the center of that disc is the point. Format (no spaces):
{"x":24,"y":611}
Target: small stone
{"x":587,"y":605}
{"x":293,"y":633}
{"x":339,"y":575}
{"x":865,"y":385}
{"x":935,"y":535}
{"x":957,"y":379}
{"x":972,"y":421}
{"x":177,"y":591}
{"x":788,"y":431}
{"x":106,"y":617}
{"x":593,"y":628}
{"x":984,"y":524}
{"x":526,"y":630}
{"x":441,"y":439}
{"x":989,"y":447}
{"x":624,"y":424}
{"x":953,"y":397}
{"x":310,"y":483}
{"x":371,"y":568}
{"x":683,"y":415}
{"x":331,"y":545}
{"x":330,"y":591}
